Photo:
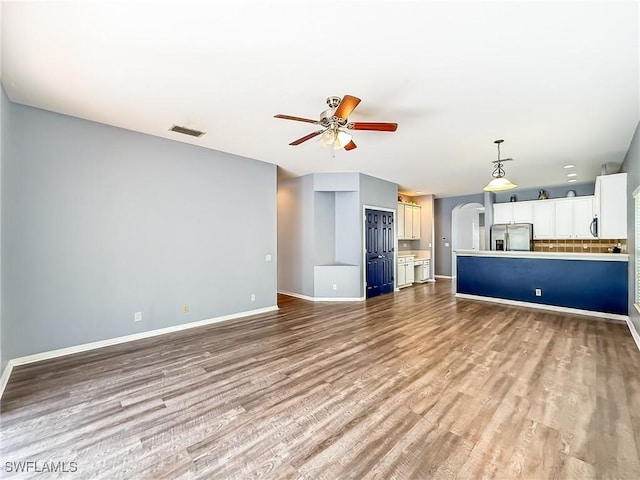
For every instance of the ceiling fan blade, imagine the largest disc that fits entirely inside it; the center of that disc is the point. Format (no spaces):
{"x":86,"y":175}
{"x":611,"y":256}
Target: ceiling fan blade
{"x":350,"y":146}
{"x":347,"y":105}
{"x":377,"y":126}
{"x":306,"y":137}
{"x":298,"y":119}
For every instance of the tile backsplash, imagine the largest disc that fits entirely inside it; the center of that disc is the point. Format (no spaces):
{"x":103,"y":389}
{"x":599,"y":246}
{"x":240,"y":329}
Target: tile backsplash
{"x":575,"y":245}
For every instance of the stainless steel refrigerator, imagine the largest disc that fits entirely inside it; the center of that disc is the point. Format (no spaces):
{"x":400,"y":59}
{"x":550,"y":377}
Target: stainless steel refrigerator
{"x":512,"y":236}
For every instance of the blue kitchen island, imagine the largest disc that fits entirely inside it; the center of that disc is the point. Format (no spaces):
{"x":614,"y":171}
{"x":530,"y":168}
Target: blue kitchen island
{"x":587,"y":283}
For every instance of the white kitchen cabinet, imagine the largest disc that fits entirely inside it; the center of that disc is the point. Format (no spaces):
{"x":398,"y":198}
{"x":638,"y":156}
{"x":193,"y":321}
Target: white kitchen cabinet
{"x":502,"y":213}
{"x":611,"y":206}
{"x":401,"y":279}
{"x":563,"y":220}
{"x":405,"y":275}
{"x":522,"y":212}
{"x":422,"y":271}
{"x":544,"y":217}
{"x":408,"y":221}
{"x":582,"y":217}
{"x":400,"y":221}
{"x":416,"y":222}
{"x":513,"y":212}
{"x":573,"y":217}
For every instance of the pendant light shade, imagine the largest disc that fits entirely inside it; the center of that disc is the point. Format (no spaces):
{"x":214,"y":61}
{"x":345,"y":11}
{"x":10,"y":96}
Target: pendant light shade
{"x":499,"y":182}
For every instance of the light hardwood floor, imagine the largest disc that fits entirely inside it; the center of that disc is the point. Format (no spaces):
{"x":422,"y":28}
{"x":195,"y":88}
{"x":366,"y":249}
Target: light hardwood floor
{"x":411,"y":385}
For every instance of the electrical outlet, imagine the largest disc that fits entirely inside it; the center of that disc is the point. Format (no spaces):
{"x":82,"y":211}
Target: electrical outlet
{"x":137,"y":317}
{"x":253,"y":297}
{"x":538,"y":292}
{"x":267,"y":257}
{"x":185,"y":308}
{"x":335,"y":286}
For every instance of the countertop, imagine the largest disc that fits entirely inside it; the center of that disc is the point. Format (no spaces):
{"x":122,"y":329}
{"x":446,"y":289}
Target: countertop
{"x":605,"y":257}
{"x":419,"y":255}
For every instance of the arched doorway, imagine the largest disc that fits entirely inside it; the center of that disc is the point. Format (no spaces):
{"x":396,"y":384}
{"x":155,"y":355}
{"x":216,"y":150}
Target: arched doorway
{"x":467,"y":230}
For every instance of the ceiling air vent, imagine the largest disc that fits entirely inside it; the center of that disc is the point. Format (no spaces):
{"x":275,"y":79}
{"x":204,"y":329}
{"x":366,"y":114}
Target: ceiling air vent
{"x":187,"y":131}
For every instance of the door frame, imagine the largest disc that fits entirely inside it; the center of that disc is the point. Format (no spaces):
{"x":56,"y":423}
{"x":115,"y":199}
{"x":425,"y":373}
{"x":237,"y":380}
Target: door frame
{"x":363,"y":229}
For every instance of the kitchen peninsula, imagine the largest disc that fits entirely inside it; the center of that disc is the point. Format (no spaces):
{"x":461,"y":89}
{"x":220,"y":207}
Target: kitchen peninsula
{"x":587,"y":283}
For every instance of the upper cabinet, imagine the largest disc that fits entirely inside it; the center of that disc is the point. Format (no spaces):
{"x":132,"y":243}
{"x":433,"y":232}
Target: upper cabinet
{"x":611,"y":206}
{"x":513,"y":212}
{"x":502,"y":213}
{"x":553,"y":218}
{"x":544,"y":219}
{"x":408,"y":223}
{"x":573,"y":217}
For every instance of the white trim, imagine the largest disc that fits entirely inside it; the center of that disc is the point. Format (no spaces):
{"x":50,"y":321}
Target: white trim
{"x":607,"y":257}
{"x":543,"y":306}
{"x":634,"y":332}
{"x":449,"y":277}
{"x":321,"y":299}
{"x":5,"y":376}
{"x":38,"y":357}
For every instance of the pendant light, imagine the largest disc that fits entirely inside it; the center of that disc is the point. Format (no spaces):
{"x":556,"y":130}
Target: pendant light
{"x":499,"y":182}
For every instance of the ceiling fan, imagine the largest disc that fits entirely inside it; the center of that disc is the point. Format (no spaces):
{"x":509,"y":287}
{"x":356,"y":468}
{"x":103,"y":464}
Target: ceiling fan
{"x":333,"y":122}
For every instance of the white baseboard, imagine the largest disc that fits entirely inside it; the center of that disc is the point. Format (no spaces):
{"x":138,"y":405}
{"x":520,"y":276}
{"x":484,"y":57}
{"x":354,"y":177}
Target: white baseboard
{"x":542,"y":306}
{"x":634,"y":332}
{"x":38,"y":357}
{"x":321,"y":299}
{"x":448,"y":277}
{"x":4,"y":379}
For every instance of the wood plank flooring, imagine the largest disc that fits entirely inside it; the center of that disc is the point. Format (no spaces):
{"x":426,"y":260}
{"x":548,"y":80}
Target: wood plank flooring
{"x":411,"y":385}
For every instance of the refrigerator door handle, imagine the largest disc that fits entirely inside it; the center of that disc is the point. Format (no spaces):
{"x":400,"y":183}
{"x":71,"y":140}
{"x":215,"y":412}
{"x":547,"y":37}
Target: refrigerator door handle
{"x":507,"y":247}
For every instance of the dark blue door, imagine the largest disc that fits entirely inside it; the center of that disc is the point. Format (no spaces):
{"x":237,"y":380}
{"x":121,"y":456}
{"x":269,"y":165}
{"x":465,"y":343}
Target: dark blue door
{"x":379,"y":244}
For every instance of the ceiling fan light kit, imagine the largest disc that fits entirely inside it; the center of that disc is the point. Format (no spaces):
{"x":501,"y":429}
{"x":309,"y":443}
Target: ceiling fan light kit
{"x":499,"y":182}
{"x":335,"y":120}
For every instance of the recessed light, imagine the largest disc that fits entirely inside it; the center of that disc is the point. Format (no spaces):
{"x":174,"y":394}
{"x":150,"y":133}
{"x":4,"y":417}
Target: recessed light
{"x":569,"y":166}
{"x":572,"y":174}
{"x":418,"y":193}
{"x":571,"y":180}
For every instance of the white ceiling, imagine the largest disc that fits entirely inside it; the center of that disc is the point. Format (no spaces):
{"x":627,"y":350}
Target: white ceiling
{"x":557,"y":80}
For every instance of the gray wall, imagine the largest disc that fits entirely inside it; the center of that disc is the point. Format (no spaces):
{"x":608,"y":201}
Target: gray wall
{"x":442,"y":208}
{"x":378,"y":193}
{"x":3,"y":102}
{"x":631,"y":165}
{"x":581,"y":189}
{"x":101,"y":222}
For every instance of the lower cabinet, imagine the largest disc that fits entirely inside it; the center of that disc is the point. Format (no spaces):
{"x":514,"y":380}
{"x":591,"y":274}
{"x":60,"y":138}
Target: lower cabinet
{"x":405,"y":276}
{"x":422,"y":271}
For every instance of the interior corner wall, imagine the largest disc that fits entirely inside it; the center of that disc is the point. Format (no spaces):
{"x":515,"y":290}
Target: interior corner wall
{"x":296,"y":235}
{"x":442,"y":208}
{"x":631,"y":165}
{"x":100,"y":222}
